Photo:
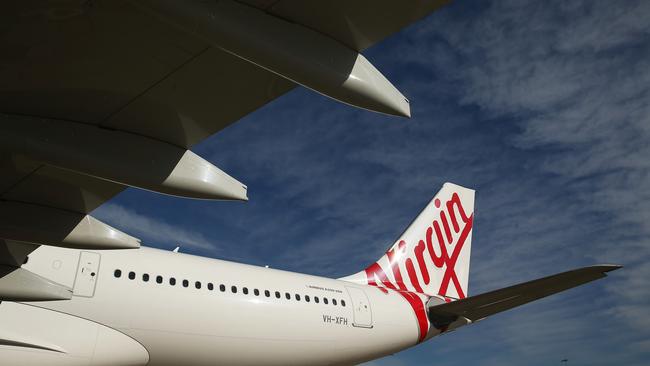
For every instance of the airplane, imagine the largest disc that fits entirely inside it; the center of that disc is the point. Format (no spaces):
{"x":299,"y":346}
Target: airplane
{"x":98,"y":96}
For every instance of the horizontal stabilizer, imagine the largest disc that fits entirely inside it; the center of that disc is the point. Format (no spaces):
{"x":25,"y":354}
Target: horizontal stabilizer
{"x":480,"y":306}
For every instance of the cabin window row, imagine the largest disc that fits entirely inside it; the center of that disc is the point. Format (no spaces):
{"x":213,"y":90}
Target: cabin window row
{"x":234,"y":289}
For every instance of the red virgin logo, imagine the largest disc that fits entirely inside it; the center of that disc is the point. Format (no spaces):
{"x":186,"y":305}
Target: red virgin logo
{"x":442,"y":242}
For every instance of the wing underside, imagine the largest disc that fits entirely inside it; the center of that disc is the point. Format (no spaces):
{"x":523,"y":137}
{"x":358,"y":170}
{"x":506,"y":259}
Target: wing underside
{"x":98,"y":96}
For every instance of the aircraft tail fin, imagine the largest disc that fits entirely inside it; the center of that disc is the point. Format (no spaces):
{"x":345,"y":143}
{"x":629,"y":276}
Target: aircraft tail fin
{"x":429,"y":266}
{"x":432,"y":255}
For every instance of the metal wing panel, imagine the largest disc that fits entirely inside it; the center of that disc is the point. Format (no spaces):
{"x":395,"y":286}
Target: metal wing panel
{"x":13,"y":253}
{"x":24,"y":180}
{"x":14,"y":169}
{"x":358,"y":24}
{"x":112,"y":64}
{"x":209,"y":93}
{"x":82,"y":61}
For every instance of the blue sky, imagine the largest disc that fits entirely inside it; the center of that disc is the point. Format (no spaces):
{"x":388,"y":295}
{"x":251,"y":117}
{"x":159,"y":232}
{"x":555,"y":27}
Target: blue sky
{"x":542,"y":107}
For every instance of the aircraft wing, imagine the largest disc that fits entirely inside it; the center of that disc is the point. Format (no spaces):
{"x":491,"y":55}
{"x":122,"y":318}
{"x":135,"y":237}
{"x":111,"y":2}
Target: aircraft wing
{"x":97,"y":96}
{"x":358,"y":24}
{"x":130,"y":66}
{"x":481,"y":306}
{"x":29,"y":181}
{"x":112,"y":65}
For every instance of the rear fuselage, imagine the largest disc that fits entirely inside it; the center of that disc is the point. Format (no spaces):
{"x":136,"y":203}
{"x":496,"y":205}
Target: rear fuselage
{"x":192,"y":310}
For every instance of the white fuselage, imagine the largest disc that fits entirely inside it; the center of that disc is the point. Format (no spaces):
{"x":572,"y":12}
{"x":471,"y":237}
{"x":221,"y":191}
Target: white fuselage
{"x":219,"y":313}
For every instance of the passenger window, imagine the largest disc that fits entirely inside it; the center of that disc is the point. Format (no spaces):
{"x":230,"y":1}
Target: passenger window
{"x":186,"y":283}
{"x":297,"y":297}
{"x":197,"y":284}
{"x":145,"y":277}
{"x":316,"y":299}
{"x":307,"y":298}
{"x":267,"y":293}
{"x":286,"y":294}
{"x":245,"y":290}
{"x":210,"y":286}
{"x":222,"y":288}
{"x":117,"y":273}
{"x":172,"y":281}
{"x":325,"y":300}
{"x":256,"y":292}
{"x":343,"y":303}
{"x":159,"y":279}
{"x":233,"y":289}
{"x":277,"y":294}
{"x":132,"y":275}
{"x":333,"y":301}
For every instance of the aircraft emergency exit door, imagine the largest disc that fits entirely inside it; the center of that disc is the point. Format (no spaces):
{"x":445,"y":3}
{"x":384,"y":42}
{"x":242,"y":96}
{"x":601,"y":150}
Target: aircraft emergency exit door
{"x":87,"y":273}
{"x":361,"y":306}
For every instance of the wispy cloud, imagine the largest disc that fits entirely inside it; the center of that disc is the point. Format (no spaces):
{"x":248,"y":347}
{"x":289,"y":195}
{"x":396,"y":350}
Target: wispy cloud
{"x":150,"y":230}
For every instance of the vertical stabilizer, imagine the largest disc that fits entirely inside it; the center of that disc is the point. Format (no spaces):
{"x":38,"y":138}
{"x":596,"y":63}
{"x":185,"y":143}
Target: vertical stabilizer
{"x":432,"y":255}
